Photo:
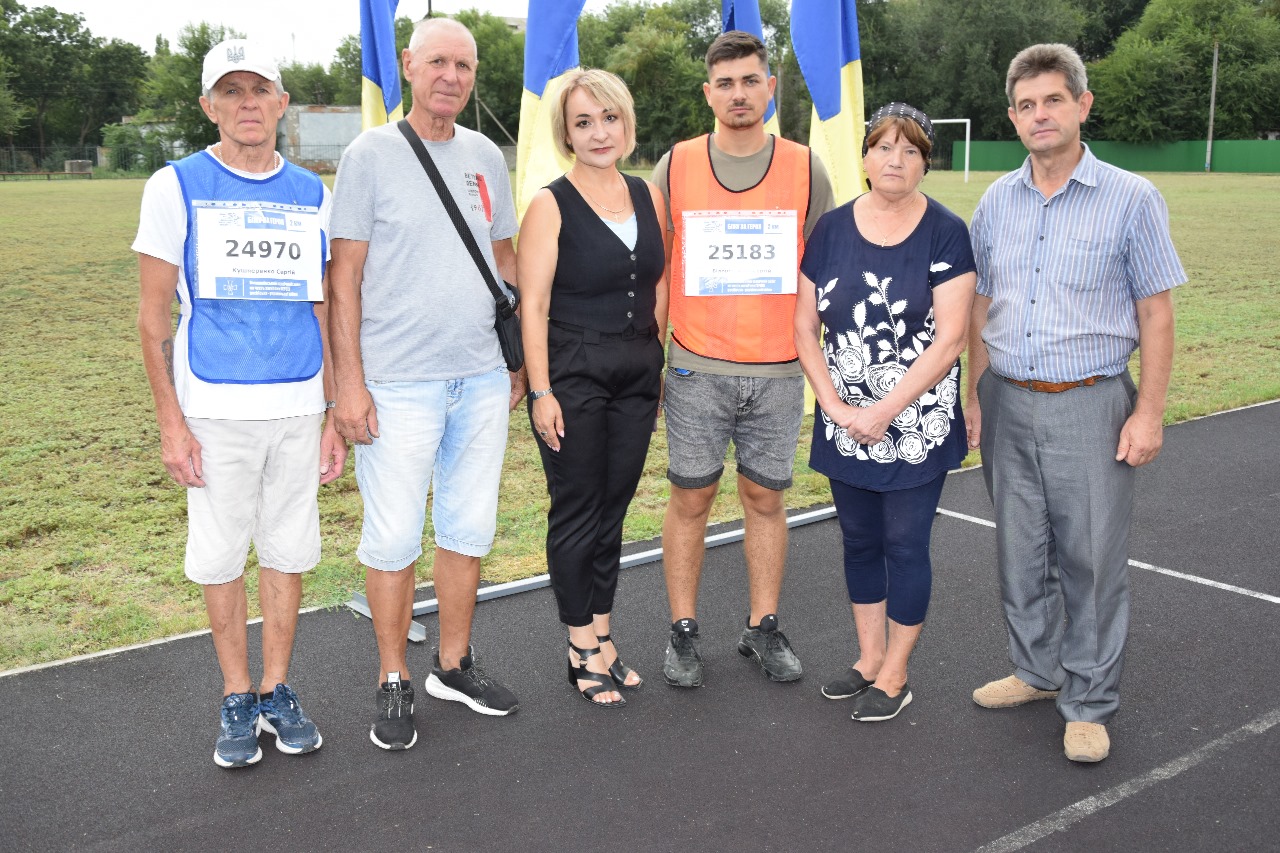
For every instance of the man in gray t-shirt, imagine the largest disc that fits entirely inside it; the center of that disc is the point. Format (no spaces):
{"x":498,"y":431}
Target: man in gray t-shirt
{"x":422,"y":388}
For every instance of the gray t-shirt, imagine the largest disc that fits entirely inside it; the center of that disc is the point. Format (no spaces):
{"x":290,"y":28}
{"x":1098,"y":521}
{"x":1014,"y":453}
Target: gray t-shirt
{"x":739,"y":174}
{"x":426,"y":314}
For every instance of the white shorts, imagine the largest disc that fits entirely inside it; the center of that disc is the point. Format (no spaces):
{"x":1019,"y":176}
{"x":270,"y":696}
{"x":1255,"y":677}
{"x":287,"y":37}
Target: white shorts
{"x":261,"y":480}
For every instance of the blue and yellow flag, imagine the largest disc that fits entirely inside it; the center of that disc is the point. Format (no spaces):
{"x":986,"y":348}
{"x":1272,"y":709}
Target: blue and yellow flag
{"x":550,"y":53}
{"x":380,"y":100}
{"x":824,"y":34}
{"x":744,"y":15}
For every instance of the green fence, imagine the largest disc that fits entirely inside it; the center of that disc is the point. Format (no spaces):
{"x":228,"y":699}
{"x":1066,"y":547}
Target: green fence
{"x":1229,"y":155}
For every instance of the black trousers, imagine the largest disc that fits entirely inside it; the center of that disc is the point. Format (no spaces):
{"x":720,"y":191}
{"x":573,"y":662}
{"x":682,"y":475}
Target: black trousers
{"x":607,"y":387}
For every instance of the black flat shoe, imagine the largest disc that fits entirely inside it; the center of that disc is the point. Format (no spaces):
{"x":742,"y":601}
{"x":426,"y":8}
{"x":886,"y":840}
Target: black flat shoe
{"x":602,"y":682}
{"x":874,"y":705}
{"x":847,"y":686}
{"x":619,"y":671}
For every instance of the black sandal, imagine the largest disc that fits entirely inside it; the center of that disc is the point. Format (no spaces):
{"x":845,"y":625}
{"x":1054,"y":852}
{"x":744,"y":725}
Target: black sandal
{"x":603,"y":682}
{"x":620,"y":671}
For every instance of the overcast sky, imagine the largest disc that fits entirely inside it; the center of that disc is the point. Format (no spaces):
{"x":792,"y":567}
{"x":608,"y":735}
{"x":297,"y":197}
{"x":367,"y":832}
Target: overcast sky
{"x":305,"y":30}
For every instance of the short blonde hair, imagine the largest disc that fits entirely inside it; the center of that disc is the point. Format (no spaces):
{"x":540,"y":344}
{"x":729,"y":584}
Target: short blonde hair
{"x":605,"y":89}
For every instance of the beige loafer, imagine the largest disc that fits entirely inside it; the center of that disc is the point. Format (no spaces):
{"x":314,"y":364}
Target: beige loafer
{"x":1086,"y":742}
{"x":1009,"y":692}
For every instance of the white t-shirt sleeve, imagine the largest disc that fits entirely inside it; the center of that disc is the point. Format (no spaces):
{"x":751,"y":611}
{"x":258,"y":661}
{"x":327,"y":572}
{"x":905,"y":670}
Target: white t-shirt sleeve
{"x":162,"y":223}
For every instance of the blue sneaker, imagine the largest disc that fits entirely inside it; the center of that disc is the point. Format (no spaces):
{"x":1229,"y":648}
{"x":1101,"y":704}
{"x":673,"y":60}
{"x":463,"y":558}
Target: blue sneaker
{"x":283,"y":717}
{"x":238,"y":741}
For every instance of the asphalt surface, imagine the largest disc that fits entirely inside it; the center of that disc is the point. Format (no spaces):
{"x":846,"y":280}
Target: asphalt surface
{"x":115,"y":753}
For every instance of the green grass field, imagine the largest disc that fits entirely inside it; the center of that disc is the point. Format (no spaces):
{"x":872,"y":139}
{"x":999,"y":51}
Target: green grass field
{"x":92,"y":529}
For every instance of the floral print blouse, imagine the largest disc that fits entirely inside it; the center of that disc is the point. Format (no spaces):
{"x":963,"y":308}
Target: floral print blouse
{"x":876,"y":307}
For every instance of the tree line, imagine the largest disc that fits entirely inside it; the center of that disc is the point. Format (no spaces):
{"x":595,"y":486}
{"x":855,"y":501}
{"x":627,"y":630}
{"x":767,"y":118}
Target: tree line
{"x":1149,"y":62}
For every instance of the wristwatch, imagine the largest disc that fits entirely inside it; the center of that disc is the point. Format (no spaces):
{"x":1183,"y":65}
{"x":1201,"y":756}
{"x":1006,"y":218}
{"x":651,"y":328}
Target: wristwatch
{"x":538,"y":395}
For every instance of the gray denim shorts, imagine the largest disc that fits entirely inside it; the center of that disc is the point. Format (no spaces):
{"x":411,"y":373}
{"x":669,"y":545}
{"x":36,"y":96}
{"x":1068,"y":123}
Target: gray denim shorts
{"x":704,"y":411}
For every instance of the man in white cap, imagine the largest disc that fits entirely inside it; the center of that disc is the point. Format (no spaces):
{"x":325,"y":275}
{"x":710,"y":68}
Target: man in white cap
{"x":239,"y":236}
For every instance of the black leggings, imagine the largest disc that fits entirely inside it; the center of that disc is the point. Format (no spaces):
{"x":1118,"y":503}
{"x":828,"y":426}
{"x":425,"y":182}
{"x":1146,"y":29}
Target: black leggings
{"x":886,"y":546}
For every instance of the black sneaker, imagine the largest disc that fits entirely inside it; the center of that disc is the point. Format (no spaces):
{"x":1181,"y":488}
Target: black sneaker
{"x":847,"y":686}
{"x":394,"y":727}
{"x":237,"y":744}
{"x":683,"y":665}
{"x":470,"y":685}
{"x":281,"y":715}
{"x":874,"y":705}
{"x":771,"y":649}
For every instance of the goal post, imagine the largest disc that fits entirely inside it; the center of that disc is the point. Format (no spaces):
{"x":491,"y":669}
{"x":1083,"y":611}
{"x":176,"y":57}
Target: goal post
{"x":967,"y":126}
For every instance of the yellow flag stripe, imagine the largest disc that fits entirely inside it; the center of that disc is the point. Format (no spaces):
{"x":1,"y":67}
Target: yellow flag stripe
{"x":838,"y":141}
{"x":538,"y":163}
{"x":372,"y":111}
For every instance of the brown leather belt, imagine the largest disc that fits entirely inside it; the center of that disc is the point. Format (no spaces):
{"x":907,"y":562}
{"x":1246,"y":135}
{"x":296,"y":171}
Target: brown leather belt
{"x":1052,"y":387}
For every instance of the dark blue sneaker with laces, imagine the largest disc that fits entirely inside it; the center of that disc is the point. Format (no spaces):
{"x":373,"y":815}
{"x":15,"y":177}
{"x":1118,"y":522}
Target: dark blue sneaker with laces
{"x":281,"y":715}
{"x":238,"y":740}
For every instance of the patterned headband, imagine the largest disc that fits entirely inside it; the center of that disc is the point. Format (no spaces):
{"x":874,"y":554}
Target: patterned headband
{"x":902,"y":111}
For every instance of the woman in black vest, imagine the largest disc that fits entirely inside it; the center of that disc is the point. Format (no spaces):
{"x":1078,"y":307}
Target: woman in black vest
{"x":594,"y":316}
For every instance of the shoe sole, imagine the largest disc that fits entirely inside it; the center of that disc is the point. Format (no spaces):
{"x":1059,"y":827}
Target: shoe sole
{"x":905,"y":703}
{"x":1014,"y":701}
{"x":222,"y":762}
{"x":440,"y":690}
{"x":682,"y":682}
{"x":286,"y":747}
{"x":393,"y":747}
{"x":748,"y":652}
{"x":1086,"y":758}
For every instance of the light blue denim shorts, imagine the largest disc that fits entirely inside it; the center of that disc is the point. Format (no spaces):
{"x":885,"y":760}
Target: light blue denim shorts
{"x":446,"y":437}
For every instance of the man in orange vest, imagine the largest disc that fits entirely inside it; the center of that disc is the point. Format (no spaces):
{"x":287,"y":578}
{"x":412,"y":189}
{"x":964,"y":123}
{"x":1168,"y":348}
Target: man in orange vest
{"x":740,"y":203}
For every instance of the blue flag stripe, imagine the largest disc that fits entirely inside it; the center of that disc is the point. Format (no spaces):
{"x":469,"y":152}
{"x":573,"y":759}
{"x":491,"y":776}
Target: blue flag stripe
{"x":550,"y":42}
{"x":822,"y":49}
{"x":379,"y":61}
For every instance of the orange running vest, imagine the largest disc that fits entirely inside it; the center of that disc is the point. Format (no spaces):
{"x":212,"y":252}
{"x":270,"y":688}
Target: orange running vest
{"x":742,"y":329}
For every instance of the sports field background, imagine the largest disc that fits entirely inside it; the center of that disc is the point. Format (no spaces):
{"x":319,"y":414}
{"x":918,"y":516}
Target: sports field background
{"x":92,"y":529}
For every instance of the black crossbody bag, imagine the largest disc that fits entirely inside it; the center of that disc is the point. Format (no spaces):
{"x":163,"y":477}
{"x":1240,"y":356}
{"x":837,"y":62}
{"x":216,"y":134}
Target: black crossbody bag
{"x":505,"y":321}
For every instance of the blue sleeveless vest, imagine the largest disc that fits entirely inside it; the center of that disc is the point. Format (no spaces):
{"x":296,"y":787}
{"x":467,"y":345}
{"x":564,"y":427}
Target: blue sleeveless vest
{"x":240,"y":341}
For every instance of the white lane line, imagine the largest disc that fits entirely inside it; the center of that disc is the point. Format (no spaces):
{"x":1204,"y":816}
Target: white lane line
{"x":106,"y":653}
{"x":1076,"y":812}
{"x":963,"y":517}
{"x":1229,"y":411}
{"x":1215,"y":584}
{"x":1137,"y":564}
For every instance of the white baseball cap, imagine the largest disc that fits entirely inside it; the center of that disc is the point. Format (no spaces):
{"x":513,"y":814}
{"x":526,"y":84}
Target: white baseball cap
{"x":237,"y":55}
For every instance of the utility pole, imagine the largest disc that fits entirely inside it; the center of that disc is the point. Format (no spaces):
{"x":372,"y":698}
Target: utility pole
{"x":1213,"y":102}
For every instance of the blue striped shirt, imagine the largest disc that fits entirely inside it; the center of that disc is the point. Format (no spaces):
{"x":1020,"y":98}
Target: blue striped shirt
{"x":1064,"y":273}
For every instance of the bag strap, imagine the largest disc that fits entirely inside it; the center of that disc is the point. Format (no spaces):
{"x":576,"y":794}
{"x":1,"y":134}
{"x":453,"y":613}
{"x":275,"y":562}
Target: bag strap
{"x":451,"y":207}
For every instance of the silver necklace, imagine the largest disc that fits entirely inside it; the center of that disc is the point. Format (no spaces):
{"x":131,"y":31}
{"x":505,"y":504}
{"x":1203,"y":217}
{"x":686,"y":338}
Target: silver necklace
{"x":614,"y":214}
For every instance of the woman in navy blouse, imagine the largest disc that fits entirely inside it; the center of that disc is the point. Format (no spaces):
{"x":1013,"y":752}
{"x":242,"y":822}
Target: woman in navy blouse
{"x":594,"y":315}
{"x":889,"y":280}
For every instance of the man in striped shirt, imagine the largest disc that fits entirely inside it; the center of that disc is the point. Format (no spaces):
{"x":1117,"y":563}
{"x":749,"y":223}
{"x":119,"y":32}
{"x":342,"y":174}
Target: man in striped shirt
{"x":1075,"y":268}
